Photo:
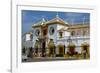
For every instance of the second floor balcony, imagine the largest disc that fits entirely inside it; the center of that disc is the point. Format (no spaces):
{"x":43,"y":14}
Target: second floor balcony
{"x":73,"y":38}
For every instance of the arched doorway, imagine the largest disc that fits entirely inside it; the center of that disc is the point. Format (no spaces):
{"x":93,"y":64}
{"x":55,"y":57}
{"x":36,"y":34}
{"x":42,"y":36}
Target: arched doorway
{"x":71,"y":49}
{"x":61,"y":50}
{"x":51,"y":47}
{"x":85,"y":50}
{"x":43,"y":48}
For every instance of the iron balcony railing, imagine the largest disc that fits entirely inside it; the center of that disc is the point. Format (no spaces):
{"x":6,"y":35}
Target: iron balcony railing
{"x":73,"y":38}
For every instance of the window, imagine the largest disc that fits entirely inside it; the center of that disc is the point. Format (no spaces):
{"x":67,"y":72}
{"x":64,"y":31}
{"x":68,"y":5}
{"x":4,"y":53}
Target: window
{"x":61,"y":34}
{"x":72,"y":33}
{"x":78,"y":32}
{"x":51,"y":31}
{"x":37,"y":32}
{"x":84,"y":32}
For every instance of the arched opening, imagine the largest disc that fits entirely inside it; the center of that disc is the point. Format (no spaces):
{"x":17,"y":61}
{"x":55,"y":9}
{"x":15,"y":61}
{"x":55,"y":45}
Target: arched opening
{"x":85,"y":50}
{"x":43,"y":48}
{"x":71,"y":49}
{"x":51,"y":47}
{"x":61,"y":50}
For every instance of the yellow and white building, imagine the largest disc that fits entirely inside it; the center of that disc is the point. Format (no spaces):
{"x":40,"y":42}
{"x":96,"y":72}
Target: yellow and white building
{"x":58,"y":32}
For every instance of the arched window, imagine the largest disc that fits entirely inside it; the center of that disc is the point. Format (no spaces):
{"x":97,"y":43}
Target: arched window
{"x":78,"y":32}
{"x":51,"y":31}
{"x":37,"y":32}
{"x":72,"y":33}
{"x":85,"y":50}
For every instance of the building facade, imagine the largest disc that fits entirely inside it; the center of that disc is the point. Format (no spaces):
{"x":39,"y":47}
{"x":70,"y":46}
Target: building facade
{"x":58,"y":38}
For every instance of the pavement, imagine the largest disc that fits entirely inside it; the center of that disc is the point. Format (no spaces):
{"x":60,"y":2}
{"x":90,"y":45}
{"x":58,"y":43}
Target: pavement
{"x":39,"y":59}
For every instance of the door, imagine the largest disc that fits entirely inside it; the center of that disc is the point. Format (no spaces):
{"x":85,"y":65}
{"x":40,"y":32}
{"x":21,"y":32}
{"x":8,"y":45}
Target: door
{"x":61,"y":51}
{"x":43,"y":48}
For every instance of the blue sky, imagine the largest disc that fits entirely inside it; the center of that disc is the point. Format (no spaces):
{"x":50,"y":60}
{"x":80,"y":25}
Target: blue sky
{"x":30,"y":17}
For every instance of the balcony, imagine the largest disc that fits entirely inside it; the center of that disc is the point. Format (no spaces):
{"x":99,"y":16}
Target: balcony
{"x":72,"y":38}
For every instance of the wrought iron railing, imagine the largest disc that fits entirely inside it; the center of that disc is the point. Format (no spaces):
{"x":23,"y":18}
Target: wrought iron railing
{"x":73,"y":38}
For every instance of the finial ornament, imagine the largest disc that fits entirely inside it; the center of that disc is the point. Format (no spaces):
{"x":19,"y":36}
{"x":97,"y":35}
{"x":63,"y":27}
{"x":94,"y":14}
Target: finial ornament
{"x":43,"y":19}
{"x":57,"y":16}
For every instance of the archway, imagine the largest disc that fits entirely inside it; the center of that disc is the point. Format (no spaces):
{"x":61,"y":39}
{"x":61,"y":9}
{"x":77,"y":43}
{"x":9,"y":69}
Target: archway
{"x":85,"y":50}
{"x":61,"y":50}
{"x":51,"y":47}
{"x":71,"y":49}
{"x":43,"y":48}
{"x":36,"y":47}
